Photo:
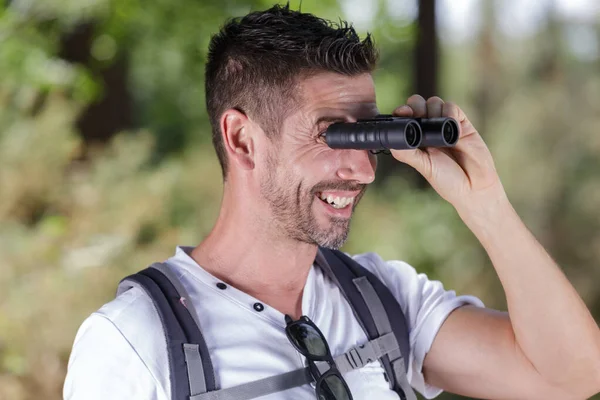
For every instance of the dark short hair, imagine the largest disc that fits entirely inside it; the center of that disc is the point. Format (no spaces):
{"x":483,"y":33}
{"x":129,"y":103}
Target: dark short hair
{"x":255,"y":61}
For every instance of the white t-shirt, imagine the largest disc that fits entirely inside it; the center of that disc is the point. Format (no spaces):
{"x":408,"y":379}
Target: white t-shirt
{"x":120,"y":351}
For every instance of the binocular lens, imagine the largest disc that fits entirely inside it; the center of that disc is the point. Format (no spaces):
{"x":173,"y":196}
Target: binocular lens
{"x":450,"y":132}
{"x":413,"y":136}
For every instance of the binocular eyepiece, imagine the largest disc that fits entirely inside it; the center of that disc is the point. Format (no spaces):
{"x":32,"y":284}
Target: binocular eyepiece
{"x":386,"y":132}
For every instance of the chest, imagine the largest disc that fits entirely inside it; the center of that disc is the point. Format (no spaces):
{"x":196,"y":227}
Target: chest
{"x":247,"y":342}
{"x":246,"y":336}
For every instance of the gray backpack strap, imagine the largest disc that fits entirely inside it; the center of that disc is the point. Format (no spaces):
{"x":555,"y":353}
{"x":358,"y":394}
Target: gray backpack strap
{"x":192,"y":374}
{"x":190,"y":368}
{"x":193,"y":351}
{"x":359,"y":356}
{"x":183,"y":294}
{"x":355,"y":358}
{"x":381,"y":319}
{"x":259,"y":388}
{"x":377,"y":310}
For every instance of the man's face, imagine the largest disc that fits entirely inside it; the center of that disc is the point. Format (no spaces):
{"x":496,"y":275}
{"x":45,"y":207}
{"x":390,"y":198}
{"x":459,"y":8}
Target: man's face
{"x":301,"y":170}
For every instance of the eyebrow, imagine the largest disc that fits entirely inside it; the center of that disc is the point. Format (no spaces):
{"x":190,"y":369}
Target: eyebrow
{"x":330,"y":119}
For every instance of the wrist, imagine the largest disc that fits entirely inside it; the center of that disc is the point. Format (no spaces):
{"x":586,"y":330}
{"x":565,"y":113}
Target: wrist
{"x":488,"y":213}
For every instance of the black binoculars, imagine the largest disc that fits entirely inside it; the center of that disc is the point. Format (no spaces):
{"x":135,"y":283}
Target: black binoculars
{"x":385,"y":132}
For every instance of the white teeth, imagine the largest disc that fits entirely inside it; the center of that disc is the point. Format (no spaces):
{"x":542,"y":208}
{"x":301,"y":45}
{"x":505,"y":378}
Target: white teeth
{"x":337,"y":202}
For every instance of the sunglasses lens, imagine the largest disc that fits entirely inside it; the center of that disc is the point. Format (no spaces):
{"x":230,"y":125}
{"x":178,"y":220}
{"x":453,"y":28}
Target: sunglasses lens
{"x":308,"y":340}
{"x":333,"y":387}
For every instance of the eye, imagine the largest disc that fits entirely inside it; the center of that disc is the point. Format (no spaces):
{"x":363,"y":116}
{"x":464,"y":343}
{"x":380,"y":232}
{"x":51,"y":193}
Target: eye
{"x":321,"y":136}
{"x":322,"y":126}
{"x":321,"y":130}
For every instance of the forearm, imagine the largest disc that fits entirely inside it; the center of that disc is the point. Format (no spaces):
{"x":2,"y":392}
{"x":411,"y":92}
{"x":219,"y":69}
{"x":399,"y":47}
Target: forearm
{"x":552,"y":326}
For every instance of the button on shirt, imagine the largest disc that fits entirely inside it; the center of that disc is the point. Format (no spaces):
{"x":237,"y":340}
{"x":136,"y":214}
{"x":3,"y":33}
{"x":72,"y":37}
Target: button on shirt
{"x":120,"y":350}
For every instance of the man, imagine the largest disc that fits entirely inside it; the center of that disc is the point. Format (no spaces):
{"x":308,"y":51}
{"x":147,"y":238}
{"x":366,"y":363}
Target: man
{"x":274,"y":81}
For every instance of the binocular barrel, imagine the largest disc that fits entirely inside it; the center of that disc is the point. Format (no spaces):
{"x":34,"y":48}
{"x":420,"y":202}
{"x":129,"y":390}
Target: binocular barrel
{"x":387,"y":132}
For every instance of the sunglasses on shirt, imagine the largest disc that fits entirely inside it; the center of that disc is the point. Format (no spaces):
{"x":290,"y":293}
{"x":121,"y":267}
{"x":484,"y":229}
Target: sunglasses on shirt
{"x":310,"y":342}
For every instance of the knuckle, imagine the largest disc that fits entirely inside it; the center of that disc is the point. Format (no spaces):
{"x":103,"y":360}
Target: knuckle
{"x":435,"y":99}
{"x":402,"y":108}
{"x":416,"y":98}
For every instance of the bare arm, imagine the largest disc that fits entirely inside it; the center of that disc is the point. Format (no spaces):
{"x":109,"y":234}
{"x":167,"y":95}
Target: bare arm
{"x":549,"y":348}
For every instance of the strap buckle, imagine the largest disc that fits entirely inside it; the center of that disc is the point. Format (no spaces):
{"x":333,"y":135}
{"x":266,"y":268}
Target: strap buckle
{"x":360,"y":356}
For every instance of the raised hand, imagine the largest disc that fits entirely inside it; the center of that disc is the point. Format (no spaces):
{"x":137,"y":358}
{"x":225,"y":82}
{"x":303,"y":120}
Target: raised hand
{"x":463,"y":175}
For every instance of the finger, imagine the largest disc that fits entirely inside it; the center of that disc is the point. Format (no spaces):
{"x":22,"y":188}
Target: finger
{"x":417,"y":158}
{"x":450,"y":109}
{"x":403,"y":111}
{"x":418,"y":104}
{"x":470,"y":151}
{"x":475,"y":158}
{"x":434,"y":107}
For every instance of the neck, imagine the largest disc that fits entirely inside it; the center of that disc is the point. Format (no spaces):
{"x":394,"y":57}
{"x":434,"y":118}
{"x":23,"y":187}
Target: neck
{"x":244,"y":251}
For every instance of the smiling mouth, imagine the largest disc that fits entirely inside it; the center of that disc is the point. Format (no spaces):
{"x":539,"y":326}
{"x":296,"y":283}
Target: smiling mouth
{"x":336,"y":201}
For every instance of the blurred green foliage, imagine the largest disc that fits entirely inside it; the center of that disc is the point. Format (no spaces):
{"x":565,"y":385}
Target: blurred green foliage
{"x":76,"y":218}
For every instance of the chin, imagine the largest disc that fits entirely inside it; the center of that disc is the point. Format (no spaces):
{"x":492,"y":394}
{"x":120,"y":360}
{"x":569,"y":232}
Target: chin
{"x":331,"y":237}
{"x":334,"y":244}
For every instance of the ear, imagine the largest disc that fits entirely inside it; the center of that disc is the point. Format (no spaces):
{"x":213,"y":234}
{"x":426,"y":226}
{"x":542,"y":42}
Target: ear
{"x":237,"y":132}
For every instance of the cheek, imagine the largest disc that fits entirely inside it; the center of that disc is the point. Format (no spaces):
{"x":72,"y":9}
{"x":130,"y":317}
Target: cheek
{"x":323,"y":164}
{"x":316,"y":160}
{"x":271,"y":166}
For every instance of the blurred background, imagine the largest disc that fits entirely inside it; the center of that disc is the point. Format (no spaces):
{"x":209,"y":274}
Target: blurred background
{"x":106,"y":162}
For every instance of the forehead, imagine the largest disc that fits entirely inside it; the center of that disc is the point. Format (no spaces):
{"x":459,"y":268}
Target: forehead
{"x":329,"y":91}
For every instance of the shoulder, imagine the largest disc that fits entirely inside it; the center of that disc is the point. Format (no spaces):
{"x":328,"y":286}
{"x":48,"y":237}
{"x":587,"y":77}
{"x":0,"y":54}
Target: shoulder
{"x":426,"y":305}
{"x":122,"y":339}
{"x":419,"y":296}
{"x":407,"y":285}
{"x":387,"y":270}
{"x":132,"y":311}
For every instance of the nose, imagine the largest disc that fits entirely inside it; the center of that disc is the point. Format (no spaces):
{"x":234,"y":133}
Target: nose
{"x":357,"y":165}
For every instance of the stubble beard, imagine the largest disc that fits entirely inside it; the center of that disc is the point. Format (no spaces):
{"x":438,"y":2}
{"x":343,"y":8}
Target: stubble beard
{"x":293,"y":213}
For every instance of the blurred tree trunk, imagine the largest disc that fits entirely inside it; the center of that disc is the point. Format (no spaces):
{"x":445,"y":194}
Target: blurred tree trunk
{"x":426,"y":51}
{"x":549,"y":68}
{"x":489,"y":69}
{"x":597,"y":25}
{"x":426,"y":63}
{"x":112,"y":112}
{"x":425,"y":83}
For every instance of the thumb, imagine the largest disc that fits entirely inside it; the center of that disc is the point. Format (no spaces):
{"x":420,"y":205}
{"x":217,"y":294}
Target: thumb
{"x":416,"y":158}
